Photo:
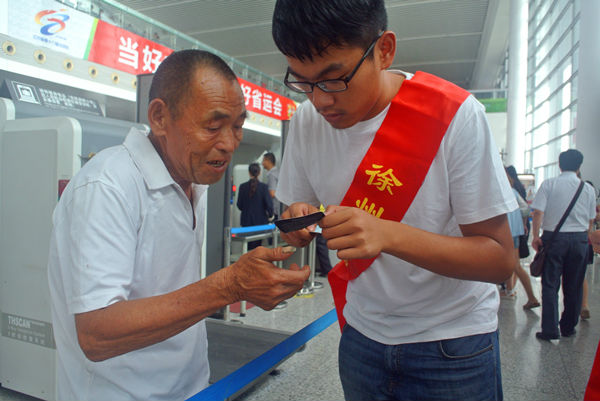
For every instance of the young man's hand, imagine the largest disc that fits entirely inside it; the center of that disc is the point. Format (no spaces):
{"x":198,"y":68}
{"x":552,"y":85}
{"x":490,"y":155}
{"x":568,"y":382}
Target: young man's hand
{"x":353,"y":232}
{"x":299,"y":238}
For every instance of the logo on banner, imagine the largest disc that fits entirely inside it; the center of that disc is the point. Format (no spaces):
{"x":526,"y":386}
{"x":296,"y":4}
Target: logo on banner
{"x":52,"y":21}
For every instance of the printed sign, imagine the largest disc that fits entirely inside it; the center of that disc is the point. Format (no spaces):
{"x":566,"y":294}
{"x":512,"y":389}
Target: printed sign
{"x":28,"y":330}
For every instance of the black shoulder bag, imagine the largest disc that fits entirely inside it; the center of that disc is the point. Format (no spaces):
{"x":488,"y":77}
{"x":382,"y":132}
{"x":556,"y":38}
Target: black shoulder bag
{"x":537,"y":264}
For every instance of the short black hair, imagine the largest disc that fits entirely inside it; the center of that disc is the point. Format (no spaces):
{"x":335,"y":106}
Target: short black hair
{"x":570,"y":160}
{"x":173,"y":77}
{"x":270,"y":157}
{"x":305,"y":28}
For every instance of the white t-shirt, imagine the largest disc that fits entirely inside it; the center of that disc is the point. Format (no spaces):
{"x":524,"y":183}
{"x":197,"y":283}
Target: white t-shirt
{"x":123,"y":230}
{"x":395,"y":302}
{"x":553,"y":198}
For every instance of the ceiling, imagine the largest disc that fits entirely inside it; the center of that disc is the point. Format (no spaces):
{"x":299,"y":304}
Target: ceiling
{"x":463,"y":41}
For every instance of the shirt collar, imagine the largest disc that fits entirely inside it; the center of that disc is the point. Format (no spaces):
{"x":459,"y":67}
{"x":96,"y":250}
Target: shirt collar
{"x":147,"y":159}
{"x":569,"y":174}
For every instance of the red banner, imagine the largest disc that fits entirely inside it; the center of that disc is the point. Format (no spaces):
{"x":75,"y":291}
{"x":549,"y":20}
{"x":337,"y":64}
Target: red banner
{"x":117,"y":48}
{"x":266,"y":102}
{"x":125,"y":51}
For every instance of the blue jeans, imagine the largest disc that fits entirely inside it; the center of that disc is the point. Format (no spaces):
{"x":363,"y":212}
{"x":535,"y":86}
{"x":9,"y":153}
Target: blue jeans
{"x":566,"y":258}
{"x":466,"y":368}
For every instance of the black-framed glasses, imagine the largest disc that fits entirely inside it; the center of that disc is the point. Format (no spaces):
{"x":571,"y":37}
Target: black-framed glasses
{"x":328,"y":85}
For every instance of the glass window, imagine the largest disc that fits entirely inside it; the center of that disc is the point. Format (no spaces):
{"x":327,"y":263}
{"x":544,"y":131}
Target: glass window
{"x":552,"y":84}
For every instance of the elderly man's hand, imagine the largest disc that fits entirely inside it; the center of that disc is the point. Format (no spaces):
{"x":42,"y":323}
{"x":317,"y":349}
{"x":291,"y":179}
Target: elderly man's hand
{"x":299,"y":238}
{"x":255,"y":279}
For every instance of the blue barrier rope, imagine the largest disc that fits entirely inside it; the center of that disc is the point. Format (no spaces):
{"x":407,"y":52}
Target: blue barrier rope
{"x":234,"y":382}
{"x":251,"y":229}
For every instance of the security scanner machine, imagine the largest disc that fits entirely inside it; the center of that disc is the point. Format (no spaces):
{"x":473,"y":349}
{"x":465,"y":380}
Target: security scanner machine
{"x":47,"y":132}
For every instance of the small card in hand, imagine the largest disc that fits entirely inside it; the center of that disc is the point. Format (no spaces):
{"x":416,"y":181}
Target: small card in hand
{"x":298,"y":223}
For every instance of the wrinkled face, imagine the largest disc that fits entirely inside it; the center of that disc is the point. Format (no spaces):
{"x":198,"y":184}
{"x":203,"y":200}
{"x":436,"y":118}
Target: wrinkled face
{"x":199,"y":143}
{"x":341,"y":109}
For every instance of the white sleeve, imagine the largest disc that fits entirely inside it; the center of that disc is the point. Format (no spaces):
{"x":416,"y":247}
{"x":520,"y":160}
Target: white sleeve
{"x":103,"y":237}
{"x":479,"y":188}
{"x":541,"y":197}
{"x":294,"y":184}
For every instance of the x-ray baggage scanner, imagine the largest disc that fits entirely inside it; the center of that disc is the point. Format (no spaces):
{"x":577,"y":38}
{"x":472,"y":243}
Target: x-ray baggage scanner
{"x":41,"y":148}
{"x":30,"y":178}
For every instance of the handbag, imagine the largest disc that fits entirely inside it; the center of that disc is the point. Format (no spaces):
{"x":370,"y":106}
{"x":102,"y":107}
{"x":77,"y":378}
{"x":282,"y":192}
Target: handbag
{"x":536,"y":267}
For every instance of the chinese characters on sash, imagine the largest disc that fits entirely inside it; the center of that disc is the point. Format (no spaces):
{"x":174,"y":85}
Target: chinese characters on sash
{"x":383,"y":180}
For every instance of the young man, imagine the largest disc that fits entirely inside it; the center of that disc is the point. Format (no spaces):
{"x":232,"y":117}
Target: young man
{"x":416,"y":200}
{"x":127,"y":302}
{"x":566,"y":257}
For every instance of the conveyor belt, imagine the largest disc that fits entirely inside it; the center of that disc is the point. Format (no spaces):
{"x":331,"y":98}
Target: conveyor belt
{"x":231,"y":345}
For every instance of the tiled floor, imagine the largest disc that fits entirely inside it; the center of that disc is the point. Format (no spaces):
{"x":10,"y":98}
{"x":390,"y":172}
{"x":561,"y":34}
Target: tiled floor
{"x":531,"y":369}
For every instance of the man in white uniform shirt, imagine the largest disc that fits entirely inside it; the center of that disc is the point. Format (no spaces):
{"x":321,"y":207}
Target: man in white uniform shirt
{"x":566,"y":255}
{"x":127,"y":300}
{"x":422,"y":318}
{"x":272,"y":177}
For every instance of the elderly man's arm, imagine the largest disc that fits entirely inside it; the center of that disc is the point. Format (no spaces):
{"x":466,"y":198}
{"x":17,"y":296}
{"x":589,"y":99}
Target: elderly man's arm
{"x":130,"y":325}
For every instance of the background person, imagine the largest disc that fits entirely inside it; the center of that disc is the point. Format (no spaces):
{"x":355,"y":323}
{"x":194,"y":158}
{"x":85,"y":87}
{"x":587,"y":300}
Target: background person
{"x":516,"y":220}
{"x":566,"y":255}
{"x":585,"y":308}
{"x":272,"y":177}
{"x":127,"y":302}
{"x":427,"y":294}
{"x":255,"y":202}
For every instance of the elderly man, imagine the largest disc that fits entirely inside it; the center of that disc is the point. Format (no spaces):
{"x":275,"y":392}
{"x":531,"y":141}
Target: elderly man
{"x":127,"y":300}
{"x":566,"y":256}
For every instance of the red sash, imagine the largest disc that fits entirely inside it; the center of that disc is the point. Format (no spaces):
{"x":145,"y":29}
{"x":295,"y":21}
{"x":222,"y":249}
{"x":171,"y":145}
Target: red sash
{"x":395,"y":165}
{"x":592,"y":391}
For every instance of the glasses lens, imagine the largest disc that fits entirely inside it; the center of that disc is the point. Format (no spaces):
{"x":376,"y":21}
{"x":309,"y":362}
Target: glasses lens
{"x":302,"y":87}
{"x":332,"y":85}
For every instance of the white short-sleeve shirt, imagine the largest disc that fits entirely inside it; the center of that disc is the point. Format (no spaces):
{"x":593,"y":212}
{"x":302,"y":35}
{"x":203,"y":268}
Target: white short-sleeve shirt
{"x":393,"y":301}
{"x":123,"y":230}
{"x":555,"y":195}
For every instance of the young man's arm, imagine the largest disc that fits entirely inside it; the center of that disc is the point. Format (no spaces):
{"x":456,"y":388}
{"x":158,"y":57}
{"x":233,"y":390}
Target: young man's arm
{"x":485,"y":253}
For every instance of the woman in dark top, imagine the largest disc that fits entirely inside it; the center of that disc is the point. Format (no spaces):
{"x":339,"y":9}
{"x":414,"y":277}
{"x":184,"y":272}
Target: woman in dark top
{"x":255,"y":202}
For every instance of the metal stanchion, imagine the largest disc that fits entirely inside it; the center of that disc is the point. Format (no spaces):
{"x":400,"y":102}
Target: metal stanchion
{"x":308,"y":286}
{"x":283,"y":304}
{"x":243,"y":303}
{"x":312,"y":256}
{"x":227,"y":258}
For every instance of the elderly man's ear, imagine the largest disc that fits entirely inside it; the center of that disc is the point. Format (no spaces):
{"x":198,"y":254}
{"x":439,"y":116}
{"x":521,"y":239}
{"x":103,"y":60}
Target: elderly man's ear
{"x":158,"y":115}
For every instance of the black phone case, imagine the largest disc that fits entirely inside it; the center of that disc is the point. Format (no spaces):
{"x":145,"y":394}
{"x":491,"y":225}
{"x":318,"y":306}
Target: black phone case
{"x":298,"y":223}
